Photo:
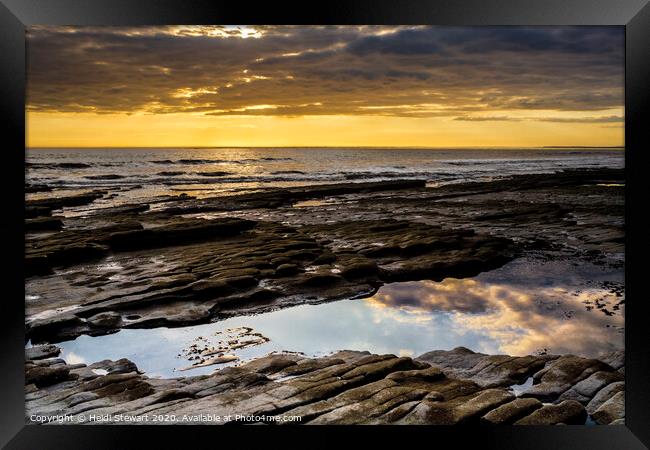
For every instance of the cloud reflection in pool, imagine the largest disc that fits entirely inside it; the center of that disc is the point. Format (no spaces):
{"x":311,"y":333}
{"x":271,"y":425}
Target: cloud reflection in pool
{"x":519,"y":309}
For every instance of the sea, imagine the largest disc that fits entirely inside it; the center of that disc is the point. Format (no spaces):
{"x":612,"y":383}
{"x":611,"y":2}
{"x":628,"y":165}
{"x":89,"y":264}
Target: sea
{"x":138,"y":173}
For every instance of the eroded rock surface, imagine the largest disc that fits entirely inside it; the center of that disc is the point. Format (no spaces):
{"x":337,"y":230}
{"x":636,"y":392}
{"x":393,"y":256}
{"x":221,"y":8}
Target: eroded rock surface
{"x":178,"y":260}
{"x":177,"y":271}
{"x":348,"y":387}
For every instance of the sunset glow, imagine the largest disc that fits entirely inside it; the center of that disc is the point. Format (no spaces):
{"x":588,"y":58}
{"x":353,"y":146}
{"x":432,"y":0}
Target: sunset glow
{"x":325,"y":86}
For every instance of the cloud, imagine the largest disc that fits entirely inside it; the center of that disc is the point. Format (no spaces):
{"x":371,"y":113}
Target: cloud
{"x":316,"y":70}
{"x":589,"y":119}
{"x":487,"y":118}
{"x":605,"y":119}
{"x":521,"y":319}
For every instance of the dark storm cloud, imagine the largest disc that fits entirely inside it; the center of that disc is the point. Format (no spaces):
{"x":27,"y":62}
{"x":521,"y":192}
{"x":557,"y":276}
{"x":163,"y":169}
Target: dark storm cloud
{"x":293,"y":71}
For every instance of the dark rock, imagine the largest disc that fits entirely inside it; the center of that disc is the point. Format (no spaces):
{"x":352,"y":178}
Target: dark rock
{"x":561,"y":374}
{"x":42,"y":351}
{"x":319,"y":279}
{"x":105,"y":320}
{"x":37,"y":211}
{"x":477,"y":406}
{"x":603,"y":395}
{"x":73,"y":165}
{"x":346,"y":388}
{"x":584,"y":390}
{"x":177,"y":233}
{"x":512,"y":411}
{"x":568,"y":412}
{"x":284,"y":270}
{"x":120,"y":366}
{"x":110,"y":176}
{"x":216,"y":173}
{"x":60,"y":202}
{"x":485,"y":370}
{"x":45,"y":376}
{"x":612,"y":410}
{"x":43,"y":224}
{"x":31,"y":188}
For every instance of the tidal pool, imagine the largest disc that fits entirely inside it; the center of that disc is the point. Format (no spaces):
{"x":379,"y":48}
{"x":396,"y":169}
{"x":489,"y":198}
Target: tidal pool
{"x":526,"y":307}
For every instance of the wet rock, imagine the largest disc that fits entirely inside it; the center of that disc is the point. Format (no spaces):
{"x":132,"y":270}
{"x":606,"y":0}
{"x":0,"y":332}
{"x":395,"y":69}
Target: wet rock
{"x":110,"y":176}
{"x":122,"y":210}
{"x":612,"y":410}
{"x":120,"y":366}
{"x":304,"y":366}
{"x":45,"y":376}
{"x":177,"y":233}
{"x":212,"y":361}
{"x":561,"y":374}
{"x":485,"y":370}
{"x":201,"y":274}
{"x":42,"y":351}
{"x":62,"y":325}
{"x":31,"y":188}
{"x":319,"y":279}
{"x":70,"y":165}
{"x":43,"y":224}
{"x":284,"y":270}
{"x":477,"y":406}
{"x":219,"y":267}
{"x":215,"y":173}
{"x":273,"y":198}
{"x":584,"y":390}
{"x":346,"y":388}
{"x":361,"y":404}
{"x":105,"y":320}
{"x":37,"y":211}
{"x":81,"y":397}
{"x":271,"y":364}
{"x":511,"y":412}
{"x":603,"y":395}
{"x":417,"y":377}
{"x":568,"y":412}
{"x":69,"y":247}
{"x":60,"y":202}
{"x":359,"y":268}
{"x":615,"y":359}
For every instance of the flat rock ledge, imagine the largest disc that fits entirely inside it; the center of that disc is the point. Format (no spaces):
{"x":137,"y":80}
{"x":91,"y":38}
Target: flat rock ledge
{"x":223,"y":267}
{"x":177,"y":260}
{"x":348,"y":387}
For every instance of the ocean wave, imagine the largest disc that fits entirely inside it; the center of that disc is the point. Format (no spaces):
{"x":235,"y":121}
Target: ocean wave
{"x":51,"y":165}
{"x":199,"y":161}
{"x":192,"y":161}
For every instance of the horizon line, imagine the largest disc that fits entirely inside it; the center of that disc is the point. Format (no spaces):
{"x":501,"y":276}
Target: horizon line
{"x":514,"y":147}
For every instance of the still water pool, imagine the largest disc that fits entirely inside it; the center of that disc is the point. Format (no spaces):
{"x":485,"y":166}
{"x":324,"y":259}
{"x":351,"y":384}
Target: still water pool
{"x":525,"y":307}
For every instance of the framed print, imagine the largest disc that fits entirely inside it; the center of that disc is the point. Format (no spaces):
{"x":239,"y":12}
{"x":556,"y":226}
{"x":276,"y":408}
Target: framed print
{"x":390,"y":218}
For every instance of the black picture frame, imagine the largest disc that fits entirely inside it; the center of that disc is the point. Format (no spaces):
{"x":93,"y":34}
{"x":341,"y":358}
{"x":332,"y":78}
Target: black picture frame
{"x":15,"y":15}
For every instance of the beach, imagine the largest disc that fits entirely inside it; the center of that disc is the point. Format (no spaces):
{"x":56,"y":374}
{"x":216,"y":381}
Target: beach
{"x":407,"y":286}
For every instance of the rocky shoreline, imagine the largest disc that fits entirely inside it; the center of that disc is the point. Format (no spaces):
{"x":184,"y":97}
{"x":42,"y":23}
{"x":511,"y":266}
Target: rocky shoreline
{"x":174,"y":261}
{"x":348,"y":387}
{"x":136,"y":266}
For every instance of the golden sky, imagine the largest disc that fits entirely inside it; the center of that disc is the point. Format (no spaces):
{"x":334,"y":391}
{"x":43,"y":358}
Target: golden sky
{"x":325,"y":86}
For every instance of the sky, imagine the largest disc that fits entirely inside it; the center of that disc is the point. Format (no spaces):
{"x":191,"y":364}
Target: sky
{"x":269,"y":86}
